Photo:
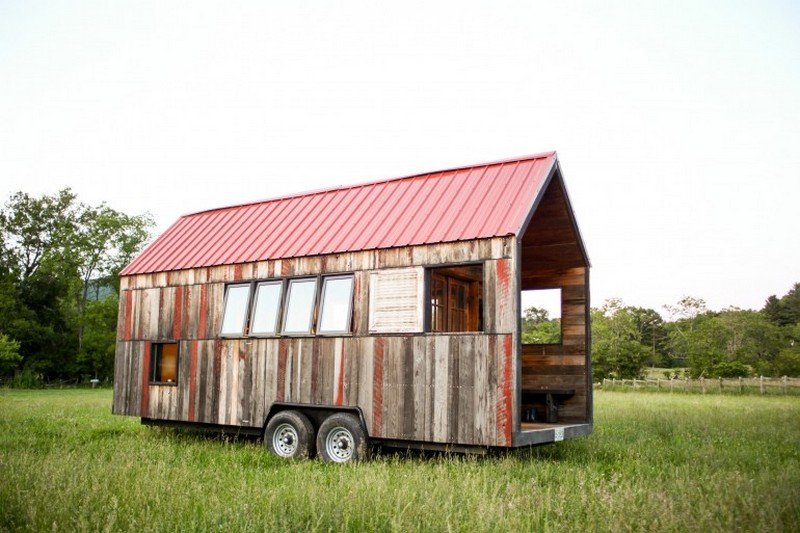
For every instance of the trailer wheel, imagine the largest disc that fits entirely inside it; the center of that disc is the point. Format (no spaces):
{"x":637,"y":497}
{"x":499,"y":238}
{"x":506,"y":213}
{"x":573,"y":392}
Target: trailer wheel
{"x":290,"y":435}
{"x":342,"y":439}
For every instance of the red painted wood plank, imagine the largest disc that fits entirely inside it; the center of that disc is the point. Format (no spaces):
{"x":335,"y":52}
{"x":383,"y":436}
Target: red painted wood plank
{"x":201,"y":325}
{"x":192,"y":379}
{"x":177,"y":318}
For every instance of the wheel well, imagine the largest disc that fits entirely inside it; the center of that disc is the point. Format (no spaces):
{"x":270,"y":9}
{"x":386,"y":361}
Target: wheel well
{"x":315,"y":413}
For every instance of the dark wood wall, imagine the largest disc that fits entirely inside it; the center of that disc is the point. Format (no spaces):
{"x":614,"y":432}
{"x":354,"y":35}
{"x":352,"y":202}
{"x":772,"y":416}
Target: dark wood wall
{"x":446,"y":388}
{"x":552,"y":256}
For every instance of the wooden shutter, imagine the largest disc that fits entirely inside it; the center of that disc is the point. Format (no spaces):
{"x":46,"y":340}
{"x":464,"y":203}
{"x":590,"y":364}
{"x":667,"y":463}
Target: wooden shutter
{"x":396,"y":299}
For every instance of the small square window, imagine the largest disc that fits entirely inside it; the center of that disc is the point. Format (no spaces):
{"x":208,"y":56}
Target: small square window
{"x":164,"y":362}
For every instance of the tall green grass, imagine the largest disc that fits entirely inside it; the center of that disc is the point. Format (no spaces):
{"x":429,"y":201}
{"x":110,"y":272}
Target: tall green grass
{"x":655,"y":462}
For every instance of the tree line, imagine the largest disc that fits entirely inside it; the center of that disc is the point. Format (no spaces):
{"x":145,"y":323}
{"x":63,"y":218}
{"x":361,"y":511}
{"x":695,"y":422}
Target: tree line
{"x":732,"y":342}
{"x":59,"y":285}
{"x":59,"y":298}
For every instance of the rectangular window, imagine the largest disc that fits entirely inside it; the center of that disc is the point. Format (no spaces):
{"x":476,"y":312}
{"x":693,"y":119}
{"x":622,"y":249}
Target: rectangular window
{"x":336,"y":304}
{"x":164,"y":362}
{"x":300,"y":301}
{"x":456,"y":299}
{"x":541,"y":316}
{"x":266,"y":308}
{"x":234,"y":317}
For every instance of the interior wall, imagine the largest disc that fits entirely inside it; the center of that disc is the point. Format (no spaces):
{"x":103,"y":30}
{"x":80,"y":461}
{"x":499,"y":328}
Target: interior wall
{"x":552,"y":256}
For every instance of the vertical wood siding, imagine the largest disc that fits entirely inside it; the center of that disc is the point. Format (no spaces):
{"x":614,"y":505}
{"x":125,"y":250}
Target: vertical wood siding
{"x":445,"y":388}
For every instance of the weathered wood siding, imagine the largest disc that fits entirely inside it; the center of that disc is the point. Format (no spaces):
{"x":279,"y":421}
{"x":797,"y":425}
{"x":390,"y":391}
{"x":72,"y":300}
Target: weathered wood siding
{"x":447,"y":388}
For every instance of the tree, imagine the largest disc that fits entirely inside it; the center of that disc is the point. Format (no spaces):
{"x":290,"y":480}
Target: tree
{"x":652,"y":333}
{"x":538,"y":328}
{"x":713,"y":340}
{"x":784,"y":311}
{"x":36,"y":232}
{"x":52,"y":249}
{"x":105,"y":240}
{"x":9,"y":355}
{"x":616,"y":348}
{"x":100,"y":332}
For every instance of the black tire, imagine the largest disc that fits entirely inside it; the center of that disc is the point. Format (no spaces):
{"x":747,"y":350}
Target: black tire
{"x":290,"y":435}
{"x":342,"y":439}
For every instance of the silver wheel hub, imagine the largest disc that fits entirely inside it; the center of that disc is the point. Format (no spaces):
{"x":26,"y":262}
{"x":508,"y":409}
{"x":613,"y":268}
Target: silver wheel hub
{"x":339,"y":444}
{"x":284,"y":440}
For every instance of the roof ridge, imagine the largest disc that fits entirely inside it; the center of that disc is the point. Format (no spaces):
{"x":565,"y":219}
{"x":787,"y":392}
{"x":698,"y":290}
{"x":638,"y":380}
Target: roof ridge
{"x":314,"y":192}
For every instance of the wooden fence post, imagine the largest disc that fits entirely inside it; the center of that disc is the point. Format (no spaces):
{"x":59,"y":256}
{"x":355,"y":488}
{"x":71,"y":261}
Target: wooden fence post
{"x":761,"y":384}
{"x":720,"y":385}
{"x":741,"y":386}
{"x":703,"y":384}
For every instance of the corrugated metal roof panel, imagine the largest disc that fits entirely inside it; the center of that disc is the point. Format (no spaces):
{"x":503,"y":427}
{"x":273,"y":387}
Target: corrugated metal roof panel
{"x":466,"y":203}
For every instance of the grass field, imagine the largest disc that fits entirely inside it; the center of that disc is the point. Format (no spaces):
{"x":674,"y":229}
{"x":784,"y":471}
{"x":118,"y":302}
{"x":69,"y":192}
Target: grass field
{"x":655,"y":462}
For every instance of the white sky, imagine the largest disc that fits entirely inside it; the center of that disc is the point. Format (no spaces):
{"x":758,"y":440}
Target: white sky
{"x":677,"y":124}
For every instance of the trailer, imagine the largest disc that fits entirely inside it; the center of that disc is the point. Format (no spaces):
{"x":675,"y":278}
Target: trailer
{"x":386,"y":312}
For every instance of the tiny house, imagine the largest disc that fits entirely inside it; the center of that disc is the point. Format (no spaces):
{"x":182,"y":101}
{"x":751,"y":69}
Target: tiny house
{"x":385,"y":312}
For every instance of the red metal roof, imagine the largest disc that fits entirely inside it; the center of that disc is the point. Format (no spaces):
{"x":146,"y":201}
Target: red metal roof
{"x":487,"y":200}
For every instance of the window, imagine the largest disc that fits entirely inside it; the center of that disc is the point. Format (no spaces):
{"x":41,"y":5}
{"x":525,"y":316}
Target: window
{"x":164,"y":362}
{"x":235,"y":316}
{"x":541,"y":316}
{"x":300,"y":301}
{"x":337,"y":300}
{"x":266,"y":308}
{"x":456,"y":298}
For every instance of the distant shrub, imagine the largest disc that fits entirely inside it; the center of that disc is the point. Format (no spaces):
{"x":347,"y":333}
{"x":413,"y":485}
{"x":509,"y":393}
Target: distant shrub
{"x":787,"y":363}
{"x":730,"y":369}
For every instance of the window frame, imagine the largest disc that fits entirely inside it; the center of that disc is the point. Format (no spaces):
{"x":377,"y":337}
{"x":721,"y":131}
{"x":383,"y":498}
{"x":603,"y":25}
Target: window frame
{"x":283,"y":283}
{"x":481,"y":304}
{"x":312,"y":313}
{"x":560,"y":318}
{"x":155,"y":355}
{"x":245,"y":325}
{"x":321,"y":307}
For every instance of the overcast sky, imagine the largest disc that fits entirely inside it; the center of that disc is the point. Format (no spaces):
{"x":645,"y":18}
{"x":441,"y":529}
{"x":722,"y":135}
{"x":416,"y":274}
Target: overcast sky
{"x":677,"y":124}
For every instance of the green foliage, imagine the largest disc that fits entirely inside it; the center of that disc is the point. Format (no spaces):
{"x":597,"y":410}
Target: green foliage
{"x":52,"y":249}
{"x":617,"y":351}
{"x":732,"y":335}
{"x":99,"y":339}
{"x":9,"y":355}
{"x":787,"y":363}
{"x":784,"y":311}
{"x":652,"y":334}
{"x":655,"y":462}
{"x":538,"y":328}
{"x":730,"y":369}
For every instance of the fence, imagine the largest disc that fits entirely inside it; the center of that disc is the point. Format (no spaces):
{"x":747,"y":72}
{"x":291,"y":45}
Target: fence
{"x":759,"y":385}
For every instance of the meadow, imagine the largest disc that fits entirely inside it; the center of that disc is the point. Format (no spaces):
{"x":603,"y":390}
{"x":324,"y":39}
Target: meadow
{"x":655,"y":462}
